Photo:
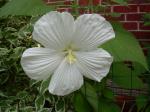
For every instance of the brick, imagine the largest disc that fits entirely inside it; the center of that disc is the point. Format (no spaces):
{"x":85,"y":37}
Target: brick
{"x":121,"y":18}
{"x":62,"y":9}
{"x":70,"y":10}
{"x":68,"y":2}
{"x":134,"y":17}
{"x":137,"y":1}
{"x":125,"y":9}
{"x":104,"y":10}
{"x":87,"y":2}
{"x":142,"y":34}
{"x":96,"y":2}
{"x":110,"y":18}
{"x":144,"y":8}
{"x":82,"y":10}
{"x":83,"y":2}
{"x":143,"y":27}
{"x":63,"y":6}
{"x":130,"y":25}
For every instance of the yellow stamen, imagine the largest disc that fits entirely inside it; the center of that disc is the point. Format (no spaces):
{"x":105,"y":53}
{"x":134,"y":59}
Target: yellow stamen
{"x":70,"y":56}
{"x":38,"y":45}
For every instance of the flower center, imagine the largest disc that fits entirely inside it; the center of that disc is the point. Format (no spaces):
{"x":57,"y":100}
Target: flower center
{"x":70,"y":56}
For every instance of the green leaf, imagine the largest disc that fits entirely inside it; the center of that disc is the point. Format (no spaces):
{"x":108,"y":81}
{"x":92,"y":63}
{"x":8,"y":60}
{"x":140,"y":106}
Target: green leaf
{"x":141,"y":101}
{"x":60,"y":105}
{"x":22,"y":94}
{"x":148,"y":55}
{"x":45,"y":110}
{"x":114,"y":14}
{"x":114,"y":108}
{"x":34,"y":82}
{"x":146,"y":19}
{"x":17,"y":52}
{"x":122,"y":2}
{"x":25,"y":7}
{"x":80,"y":103}
{"x":90,"y":94}
{"x":147,"y":23}
{"x":39,"y":102}
{"x":2,"y":94}
{"x":124,"y":77}
{"x":125,"y":47}
{"x":3,"y":51}
{"x":148,"y":109}
{"x":25,"y":31}
{"x":107,"y":93}
{"x":98,"y":103}
{"x":44,"y":86}
{"x":5,"y":103}
{"x":27,"y":109}
{"x":49,"y":97}
{"x":2,"y":70}
{"x":106,"y":106}
{"x":1,"y":36}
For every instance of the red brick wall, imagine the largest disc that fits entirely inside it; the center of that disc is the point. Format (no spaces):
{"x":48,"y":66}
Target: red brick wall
{"x":132,"y":19}
{"x":131,"y":15}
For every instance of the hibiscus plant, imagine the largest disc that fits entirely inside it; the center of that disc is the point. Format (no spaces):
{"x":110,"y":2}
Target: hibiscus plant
{"x":53,"y":61}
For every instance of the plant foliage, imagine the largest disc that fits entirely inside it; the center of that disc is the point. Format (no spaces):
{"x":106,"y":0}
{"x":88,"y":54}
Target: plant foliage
{"x":25,"y":7}
{"x":20,"y":94}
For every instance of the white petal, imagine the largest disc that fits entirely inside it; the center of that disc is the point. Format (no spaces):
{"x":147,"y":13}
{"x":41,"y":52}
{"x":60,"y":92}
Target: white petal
{"x":66,"y":79}
{"x":92,"y":30}
{"x":54,"y":30}
{"x":40,"y":63}
{"x":95,"y":64}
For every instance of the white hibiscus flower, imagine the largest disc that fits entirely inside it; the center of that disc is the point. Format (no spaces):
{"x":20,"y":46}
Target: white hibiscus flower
{"x":70,"y":51}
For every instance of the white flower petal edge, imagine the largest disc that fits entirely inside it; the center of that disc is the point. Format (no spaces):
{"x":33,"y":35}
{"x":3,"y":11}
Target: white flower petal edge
{"x":94,"y":64}
{"x":54,"y":30}
{"x":92,"y":30}
{"x":66,"y":79}
{"x":40,"y":63}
